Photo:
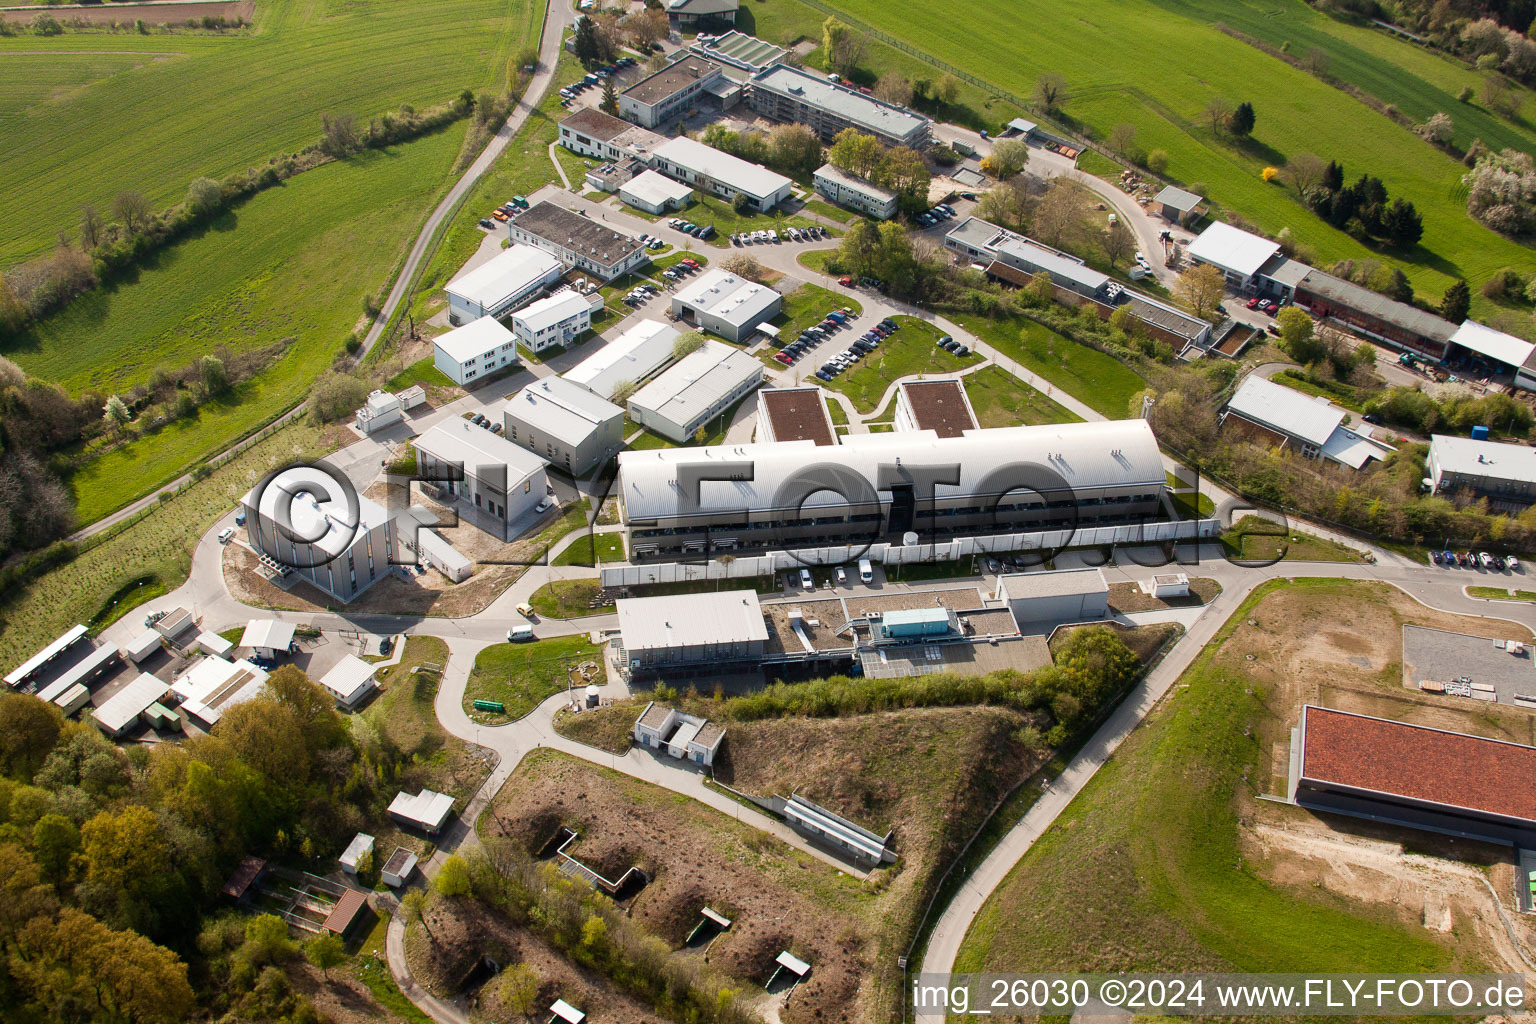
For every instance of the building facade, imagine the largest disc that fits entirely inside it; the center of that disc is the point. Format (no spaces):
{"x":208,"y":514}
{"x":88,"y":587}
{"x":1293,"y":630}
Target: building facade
{"x":670,"y":92}
{"x":564,"y":423}
{"x":576,"y":241}
{"x":701,"y":386}
{"x":555,"y":320}
{"x":785,"y":93}
{"x":683,"y":633}
{"x":592,"y":132}
{"x":499,"y":479}
{"x":854,"y":193}
{"x":702,"y":15}
{"x":501,"y":284}
{"x":1505,"y":474}
{"x":720,"y":174}
{"x":726,"y":304}
{"x":468,"y":354}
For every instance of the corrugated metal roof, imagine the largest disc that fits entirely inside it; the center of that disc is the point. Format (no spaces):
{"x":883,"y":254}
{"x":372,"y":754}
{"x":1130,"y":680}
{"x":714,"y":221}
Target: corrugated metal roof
{"x":70,"y":637}
{"x":1375,"y":304}
{"x":690,"y":620}
{"x":1285,"y":411}
{"x":1496,"y":345}
{"x":515,"y":269}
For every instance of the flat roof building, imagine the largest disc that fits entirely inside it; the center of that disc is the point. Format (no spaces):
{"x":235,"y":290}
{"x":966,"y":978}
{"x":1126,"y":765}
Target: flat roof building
{"x":500,"y":284}
{"x":739,"y":51}
{"x":96,"y":662}
{"x":350,"y":681}
{"x":1413,"y":775}
{"x":1040,"y":601}
{"x":29,"y":670}
{"x":627,"y":361}
{"x":655,"y":193}
{"x":794,"y":414}
{"x":1502,"y":473}
{"x":708,"y":631}
{"x":829,"y":829}
{"x":849,"y":190}
{"x":267,"y":637}
{"x":937,"y":405}
{"x":473,"y":352}
{"x":670,"y":92}
{"x":694,"y":390}
{"x":427,"y":811}
{"x":577,"y":241}
{"x":1310,"y":425}
{"x":718,"y":173}
{"x":563,"y":422}
{"x":785,"y":93}
{"x":696,"y":15}
{"x":683,"y":736}
{"x":1013,"y":258}
{"x":555,"y":320}
{"x":591,"y":132}
{"x":1236,"y":253}
{"x":213,"y":686}
{"x":760,"y":496}
{"x":503,"y":481}
{"x":360,"y":847}
{"x":126,"y":708}
{"x":299,"y":523}
{"x":726,"y":304}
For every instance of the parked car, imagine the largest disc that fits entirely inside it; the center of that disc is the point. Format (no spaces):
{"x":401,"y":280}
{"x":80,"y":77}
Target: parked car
{"x":805,"y":579}
{"x":1485,"y":559}
{"x":525,"y":610}
{"x":961,"y":350}
{"x":1512,"y":563}
{"x":543,"y":505}
{"x":497,"y":214}
{"x":1436,"y":557}
{"x":520,"y":634}
{"x":226,"y":534}
{"x":845,"y":281}
{"x":1253,"y":303}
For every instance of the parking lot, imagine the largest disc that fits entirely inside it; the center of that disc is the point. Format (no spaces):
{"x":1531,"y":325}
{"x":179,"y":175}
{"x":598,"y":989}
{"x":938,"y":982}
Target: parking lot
{"x":1472,"y":662}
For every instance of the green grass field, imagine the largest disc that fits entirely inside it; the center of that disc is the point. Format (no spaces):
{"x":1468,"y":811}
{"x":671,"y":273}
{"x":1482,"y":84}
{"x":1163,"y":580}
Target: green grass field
{"x":908,"y":352}
{"x":1259,"y":539}
{"x":1000,"y":399}
{"x":520,"y":676}
{"x":153,"y":112}
{"x":1097,"y":380}
{"x":609,"y":547}
{"x":1146,"y":870}
{"x":294,"y":262}
{"x":1108,"y":57}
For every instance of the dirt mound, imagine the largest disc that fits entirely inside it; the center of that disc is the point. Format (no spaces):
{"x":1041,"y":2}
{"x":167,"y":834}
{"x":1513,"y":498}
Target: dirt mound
{"x":749,"y":949}
{"x":671,"y":914}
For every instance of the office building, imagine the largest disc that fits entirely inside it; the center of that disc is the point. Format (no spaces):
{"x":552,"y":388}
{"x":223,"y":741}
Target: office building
{"x":700,"y":387}
{"x":564,"y":423}
{"x":500,"y":284}
{"x":785,"y":93}
{"x":725,"y":304}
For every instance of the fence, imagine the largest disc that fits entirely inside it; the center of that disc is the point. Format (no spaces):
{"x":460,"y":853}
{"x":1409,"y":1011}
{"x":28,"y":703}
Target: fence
{"x":912,"y":554}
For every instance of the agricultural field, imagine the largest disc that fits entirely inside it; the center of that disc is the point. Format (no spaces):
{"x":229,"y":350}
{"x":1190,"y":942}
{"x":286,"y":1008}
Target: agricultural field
{"x":89,"y":114}
{"x":1103,"y":56}
{"x":1168,"y":860}
{"x":292,"y":264}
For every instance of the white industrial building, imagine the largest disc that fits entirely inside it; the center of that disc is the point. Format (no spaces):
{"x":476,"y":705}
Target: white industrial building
{"x":699,"y":387}
{"x":352,"y":857}
{"x":128,"y":706}
{"x":1505,"y":474}
{"x":214,"y":685}
{"x":501,"y":283}
{"x":1041,"y":601}
{"x":476,"y":350}
{"x":786,"y":93}
{"x":1011,"y":479}
{"x":340,"y":548}
{"x":1014,"y":258}
{"x":627,"y":361}
{"x":655,"y":193}
{"x":397,"y":870}
{"x":566,"y":424}
{"x":1505,"y":351}
{"x":426,"y":811}
{"x":555,"y":320}
{"x":1238,"y":254}
{"x":1311,"y":426}
{"x":576,"y":241}
{"x":680,"y":735}
{"x":709,"y":631}
{"x":592,"y":132}
{"x":500,"y":479}
{"x":718,"y":173}
{"x":30,"y":670}
{"x":726,"y":304}
{"x":849,"y":190}
{"x":267,"y":638}
{"x":350,"y":681}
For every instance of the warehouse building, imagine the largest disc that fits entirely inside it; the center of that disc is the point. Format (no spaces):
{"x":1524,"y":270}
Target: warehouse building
{"x":626,"y":362}
{"x":564,"y":423}
{"x":1238,"y":254}
{"x":500,"y":479}
{"x":1505,"y":474}
{"x":855,"y":193}
{"x":777,"y":496}
{"x":62,"y":651}
{"x":1412,"y":775}
{"x":718,"y":173}
{"x":555,"y":320}
{"x":937,"y":405}
{"x":702,"y":385}
{"x":137,"y":702}
{"x":1373,"y":314}
{"x":683,"y":634}
{"x":785,"y":93}
{"x":701,"y":15}
{"x":670,"y":92}
{"x":1040,"y":601}
{"x":655,"y":193}
{"x":794,"y":414}
{"x":1490,"y":352}
{"x":500,"y":284}
{"x":426,"y":811}
{"x":1310,"y":426}
{"x":214,"y":685}
{"x":577,"y":241}
{"x":341,"y":549}
{"x":726,"y":304}
{"x":475,"y":351}
{"x":592,"y":132}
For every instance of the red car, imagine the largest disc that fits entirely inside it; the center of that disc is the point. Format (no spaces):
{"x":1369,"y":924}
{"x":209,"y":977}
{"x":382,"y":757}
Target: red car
{"x":1271,"y":308}
{"x":845,"y":281}
{"x":785,"y":358}
{"x":690,"y":263}
{"x":1253,"y":303}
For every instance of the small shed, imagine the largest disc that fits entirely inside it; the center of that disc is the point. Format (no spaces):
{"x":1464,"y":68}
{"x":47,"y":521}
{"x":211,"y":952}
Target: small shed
{"x":73,"y":699}
{"x":412,"y":396}
{"x":1165,"y":585}
{"x":426,"y":810}
{"x":397,"y":870}
{"x":346,"y":913}
{"x":361,"y":845}
{"x":267,"y":637}
{"x":1177,"y":205}
{"x":212,"y":643}
{"x":789,"y":965}
{"x":142,"y":646}
{"x":564,"y":1011}
{"x":174,"y":623}
{"x":350,"y":681}
{"x":246,"y":874}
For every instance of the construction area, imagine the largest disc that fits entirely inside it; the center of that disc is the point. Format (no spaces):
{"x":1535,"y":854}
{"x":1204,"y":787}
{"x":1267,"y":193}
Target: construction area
{"x":1436,"y":661}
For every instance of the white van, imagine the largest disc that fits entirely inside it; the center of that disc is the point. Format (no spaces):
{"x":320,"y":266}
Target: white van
{"x":866,"y":571}
{"x":519,"y":634}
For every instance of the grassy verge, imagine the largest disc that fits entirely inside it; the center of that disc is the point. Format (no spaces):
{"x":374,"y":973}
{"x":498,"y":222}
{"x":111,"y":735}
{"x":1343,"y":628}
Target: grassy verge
{"x":561,"y":599}
{"x":372,"y":969}
{"x":1501,"y":594}
{"x":591,"y":548}
{"x":1000,"y":399}
{"x":1259,"y":539}
{"x":608,"y":729}
{"x":521,"y":676}
{"x":1097,"y":380}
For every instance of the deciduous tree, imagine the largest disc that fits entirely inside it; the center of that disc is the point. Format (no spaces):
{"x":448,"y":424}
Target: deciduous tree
{"x":947,"y":88}
{"x":1201,"y":287}
{"x":1305,"y":171}
{"x":1118,"y":243}
{"x":91,"y":226}
{"x":130,"y":207}
{"x":325,"y":951}
{"x":1061,"y":218}
{"x":1008,"y":157}
{"x":1218,"y":113}
{"x":855,"y":152}
{"x":893,"y":87}
{"x":519,"y":988}
{"x":29,"y":729}
{"x":1051,"y":90}
{"x":688,"y":341}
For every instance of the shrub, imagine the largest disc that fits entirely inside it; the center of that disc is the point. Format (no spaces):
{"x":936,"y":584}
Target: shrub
{"x":1269,"y":173}
{"x":1157,"y":161}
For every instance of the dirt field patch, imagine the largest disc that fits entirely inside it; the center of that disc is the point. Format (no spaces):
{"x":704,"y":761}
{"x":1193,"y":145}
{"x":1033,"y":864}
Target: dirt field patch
{"x":1127,"y":597}
{"x":150,"y":14}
